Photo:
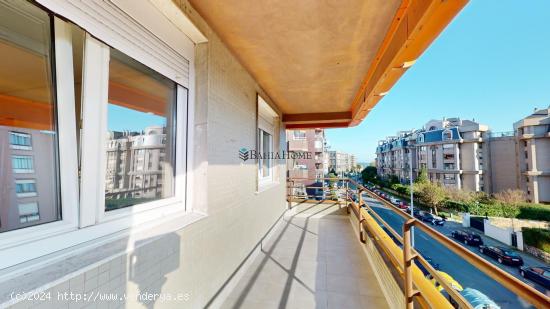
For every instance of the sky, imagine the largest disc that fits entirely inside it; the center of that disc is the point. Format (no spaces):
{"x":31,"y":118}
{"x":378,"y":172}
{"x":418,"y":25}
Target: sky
{"x":121,"y":119}
{"x":491,"y":64}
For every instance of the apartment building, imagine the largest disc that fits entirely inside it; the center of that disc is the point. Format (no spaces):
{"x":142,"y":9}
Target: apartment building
{"x":533,"y":155}
{"x":466,"y":155}
{"x":339,"y":162}
{"x":503,"y":168}
{"x":353,"y":162}
{"x":313,"y":163}
{"x":135,"y":165}
{"x":28,"y":196}
{"x":451,"y":151}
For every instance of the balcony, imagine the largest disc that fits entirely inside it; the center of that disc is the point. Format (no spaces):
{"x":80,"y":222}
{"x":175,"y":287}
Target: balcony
{"x":298,"y":173}
{"x":235,"y":91}
{"x":297,"y":145}
{"x":312,"y":260}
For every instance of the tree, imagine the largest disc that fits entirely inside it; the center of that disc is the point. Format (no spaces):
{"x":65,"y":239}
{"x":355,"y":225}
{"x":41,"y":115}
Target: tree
{"x":431,"y":194}
{"x":393,"y":179}
{"x":511,"y":196}
{"x":462,"y":196}
{"x":332,"y":182}
{"x":369,"y":174}
{"x":422,"y":176}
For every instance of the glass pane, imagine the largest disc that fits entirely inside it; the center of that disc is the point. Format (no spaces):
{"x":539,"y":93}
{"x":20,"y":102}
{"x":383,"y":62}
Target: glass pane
{"x":266,"y":148}
{"x":140,"y":146}
{"x":28,"y":143}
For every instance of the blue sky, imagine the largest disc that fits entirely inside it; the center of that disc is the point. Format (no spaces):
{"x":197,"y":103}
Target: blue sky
{"x":121,"y":118}
{"x":492,"y":63}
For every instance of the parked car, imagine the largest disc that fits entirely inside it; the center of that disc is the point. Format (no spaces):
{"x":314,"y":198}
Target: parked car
{"x":468,"y":238}
{"x":395,"y":201}
{"x":540,"y":275}
{"x":416,"y":212}
{"x":502,"y":255}
{"x":431,"y":218}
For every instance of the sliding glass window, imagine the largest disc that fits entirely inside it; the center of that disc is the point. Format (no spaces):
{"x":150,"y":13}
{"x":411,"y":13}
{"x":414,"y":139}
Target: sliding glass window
{"x":29,"y":183}
{"x":140,"y":163}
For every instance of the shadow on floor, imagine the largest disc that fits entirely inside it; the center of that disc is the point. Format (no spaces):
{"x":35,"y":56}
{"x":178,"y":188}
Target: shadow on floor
{"x":313,"y":260}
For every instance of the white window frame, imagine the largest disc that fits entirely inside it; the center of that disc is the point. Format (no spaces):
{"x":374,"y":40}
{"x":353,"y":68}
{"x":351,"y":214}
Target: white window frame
{"x":298,"y":137}
{"x":21,"y":147}
{"x":26,"y":194}
{"x":35,"y":215}
{"x":265,"y":179}
{"x":444,"y":135}
{"x":23,"y":170}
{"x":267,"y":122}
{"x":94,"y":162}
{"x":22,"y":245}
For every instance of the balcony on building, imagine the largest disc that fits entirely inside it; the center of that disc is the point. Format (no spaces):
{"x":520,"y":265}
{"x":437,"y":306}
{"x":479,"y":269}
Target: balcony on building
{"x":176,"y":212}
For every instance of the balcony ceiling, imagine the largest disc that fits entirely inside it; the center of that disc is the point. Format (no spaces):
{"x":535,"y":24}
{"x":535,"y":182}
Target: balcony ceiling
{"x":326,"y":63}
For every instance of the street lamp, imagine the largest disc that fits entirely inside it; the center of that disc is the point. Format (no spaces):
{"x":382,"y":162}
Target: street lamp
{"x":412,"y":194}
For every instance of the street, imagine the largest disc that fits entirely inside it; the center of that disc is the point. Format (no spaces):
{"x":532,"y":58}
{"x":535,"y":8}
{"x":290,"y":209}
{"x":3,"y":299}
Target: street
{"x":462,"y":271}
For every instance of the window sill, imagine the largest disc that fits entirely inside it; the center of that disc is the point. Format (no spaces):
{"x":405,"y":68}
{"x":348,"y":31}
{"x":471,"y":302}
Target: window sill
{"x":73,"y":261}
{"x":61,"y":235}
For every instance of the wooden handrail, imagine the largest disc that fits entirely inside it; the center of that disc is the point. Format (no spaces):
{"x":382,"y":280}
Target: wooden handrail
{"x":507,"y":280}
{"x":410,"y":254}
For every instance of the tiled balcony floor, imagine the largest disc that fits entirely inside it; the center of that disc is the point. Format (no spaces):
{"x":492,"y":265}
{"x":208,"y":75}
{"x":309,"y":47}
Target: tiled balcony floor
{"x":313,"y":260}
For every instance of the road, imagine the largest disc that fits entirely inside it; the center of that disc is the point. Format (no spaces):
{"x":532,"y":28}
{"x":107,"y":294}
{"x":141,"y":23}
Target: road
{"x":465,"y":273}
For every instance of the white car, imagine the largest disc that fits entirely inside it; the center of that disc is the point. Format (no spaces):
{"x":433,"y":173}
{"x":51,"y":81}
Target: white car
{"x":395,"y":201}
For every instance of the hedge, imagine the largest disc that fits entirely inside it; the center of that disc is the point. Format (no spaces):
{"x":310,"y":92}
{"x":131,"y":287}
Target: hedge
{"x":539,"y":238}
{"x":534,"y":212}
{"x":494,"y":210}
{"x":400,"y":188}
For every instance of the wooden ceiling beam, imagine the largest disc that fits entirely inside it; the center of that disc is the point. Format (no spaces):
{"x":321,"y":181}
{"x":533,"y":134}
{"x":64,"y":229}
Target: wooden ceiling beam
{"x":415,"y":26}
{"x":318,"y":117}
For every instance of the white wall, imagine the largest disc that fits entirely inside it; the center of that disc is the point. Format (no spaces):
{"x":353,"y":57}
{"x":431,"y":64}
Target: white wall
{"x":500,"y":234}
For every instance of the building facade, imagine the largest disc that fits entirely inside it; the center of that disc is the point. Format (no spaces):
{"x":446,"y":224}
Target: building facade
{"x":27,"y":180}
{"x":313,"y":161}
{"x":450,"y":150}
{"x":533,"y":155}
{"x":465,"y":155}
{"x":341,"y":162}
{"x":135,"y":164}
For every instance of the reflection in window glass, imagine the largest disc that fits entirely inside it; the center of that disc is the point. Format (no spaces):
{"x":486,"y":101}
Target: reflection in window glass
{"x":140,"y":145}
{"x":28,"y":141}
{"x":265,"y":140}
{"x":28,"y":212}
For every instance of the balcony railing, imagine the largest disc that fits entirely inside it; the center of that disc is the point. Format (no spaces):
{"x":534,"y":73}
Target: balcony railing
{"x":501,"y":134}
{"x":417,"y":289}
